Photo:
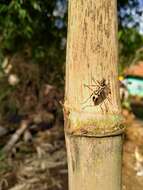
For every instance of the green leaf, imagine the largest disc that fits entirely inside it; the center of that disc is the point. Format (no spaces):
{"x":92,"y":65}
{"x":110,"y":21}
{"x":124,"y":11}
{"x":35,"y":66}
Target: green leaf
{"x":22,"y":14}
{"x":36,"y":6}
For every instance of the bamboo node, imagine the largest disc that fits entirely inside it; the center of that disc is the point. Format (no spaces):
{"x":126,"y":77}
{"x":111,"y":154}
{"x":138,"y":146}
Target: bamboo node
{"x":94,"y":124}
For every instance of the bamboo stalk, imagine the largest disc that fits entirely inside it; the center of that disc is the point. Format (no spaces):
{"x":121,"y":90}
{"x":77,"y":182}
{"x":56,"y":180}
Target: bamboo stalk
{"x":93,"y":131}
{"x":94,"y":163}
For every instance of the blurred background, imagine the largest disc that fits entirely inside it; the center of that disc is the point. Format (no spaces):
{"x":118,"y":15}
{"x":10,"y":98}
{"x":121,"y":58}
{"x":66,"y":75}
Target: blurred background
{"x":32,"y":68}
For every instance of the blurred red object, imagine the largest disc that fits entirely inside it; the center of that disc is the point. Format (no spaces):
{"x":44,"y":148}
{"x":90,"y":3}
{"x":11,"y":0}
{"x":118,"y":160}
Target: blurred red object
{"x":135,"y":70}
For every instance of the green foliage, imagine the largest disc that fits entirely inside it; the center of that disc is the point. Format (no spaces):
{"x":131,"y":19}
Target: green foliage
{"x":30,"y":26}
{"x":130,"y":42}
{"x":29,"y":22}
{"x":15,"y":25}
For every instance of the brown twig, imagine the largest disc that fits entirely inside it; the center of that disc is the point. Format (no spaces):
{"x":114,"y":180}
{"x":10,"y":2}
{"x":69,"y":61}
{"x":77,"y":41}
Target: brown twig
{"x":15,"y":137}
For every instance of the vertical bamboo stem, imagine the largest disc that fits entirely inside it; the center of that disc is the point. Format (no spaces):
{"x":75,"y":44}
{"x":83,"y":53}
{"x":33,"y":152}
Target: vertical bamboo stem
{"x":94,"y":163}
{"x":93,"y":132}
